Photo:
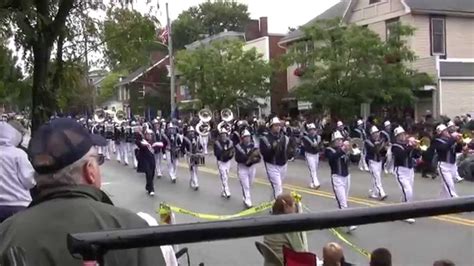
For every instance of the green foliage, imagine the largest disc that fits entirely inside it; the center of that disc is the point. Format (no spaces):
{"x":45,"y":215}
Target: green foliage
{"x":14,"y":91}
{"x":207,"y":19}
{"x":127,"y":34}
{"x":107,"y":87}
{"x":346,"y":65}
{"x":224,"y":74}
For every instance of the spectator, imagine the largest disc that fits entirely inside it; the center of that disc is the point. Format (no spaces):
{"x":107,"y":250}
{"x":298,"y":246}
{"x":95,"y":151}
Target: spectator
{"x":285,"y":204}
{"x":443,"y":263}
{"x":68,"y":177}
{"x":16,"y":172}
{"x":381,"y":257}
{"x":332,"y":255}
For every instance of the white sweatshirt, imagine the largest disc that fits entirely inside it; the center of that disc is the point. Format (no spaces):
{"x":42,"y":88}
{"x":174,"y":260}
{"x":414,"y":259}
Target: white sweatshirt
{"x":16,"y":171}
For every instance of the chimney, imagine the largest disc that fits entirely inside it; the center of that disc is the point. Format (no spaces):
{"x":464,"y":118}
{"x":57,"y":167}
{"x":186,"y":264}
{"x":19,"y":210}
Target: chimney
{"x":263,"y":26}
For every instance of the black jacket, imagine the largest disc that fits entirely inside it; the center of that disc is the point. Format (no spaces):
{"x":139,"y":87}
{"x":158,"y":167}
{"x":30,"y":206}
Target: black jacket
{"x":274,"y":148}
{"x":338,"y":161}
{"x":404,"y":155}
{"x":223,"y":150}
{"x":42,"y":229}
{"x":446,"y":149}
{"x":311,"y":144}
{"x":242,"y":152}
{"x":371,"y":151}
{"x":145,"y":157}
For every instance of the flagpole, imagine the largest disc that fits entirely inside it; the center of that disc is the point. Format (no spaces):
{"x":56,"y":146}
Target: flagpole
{"x":172,"y":76}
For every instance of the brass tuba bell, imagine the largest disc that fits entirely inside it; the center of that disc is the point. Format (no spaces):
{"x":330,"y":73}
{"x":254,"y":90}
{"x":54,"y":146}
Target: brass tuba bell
{"x":99,"y":115}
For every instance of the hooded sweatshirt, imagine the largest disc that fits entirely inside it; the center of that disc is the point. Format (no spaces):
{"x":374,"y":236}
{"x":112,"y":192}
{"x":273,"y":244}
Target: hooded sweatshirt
{"x":16,"y":171}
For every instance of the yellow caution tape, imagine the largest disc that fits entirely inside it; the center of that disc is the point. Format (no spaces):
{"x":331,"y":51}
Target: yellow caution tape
{"x":254,"y":210}
{"x":166,"y":210}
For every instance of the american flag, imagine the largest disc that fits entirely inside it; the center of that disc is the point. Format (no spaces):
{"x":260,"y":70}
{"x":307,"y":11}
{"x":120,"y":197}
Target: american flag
{"x":164,"y":34}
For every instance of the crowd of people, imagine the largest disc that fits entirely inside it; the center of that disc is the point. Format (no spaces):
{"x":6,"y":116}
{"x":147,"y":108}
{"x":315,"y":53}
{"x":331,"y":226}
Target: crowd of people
{"x":60,"y":173}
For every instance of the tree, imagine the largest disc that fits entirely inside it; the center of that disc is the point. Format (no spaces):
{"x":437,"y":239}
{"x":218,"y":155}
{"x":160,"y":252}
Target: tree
{"x":36,"y":26}
{"x":107,"y":87}
{"x":14,"y":92}
{"x":207,"y":19}
{"x":342,"y":66}
{"x":127,"y":35}
{"x":224,"y":74}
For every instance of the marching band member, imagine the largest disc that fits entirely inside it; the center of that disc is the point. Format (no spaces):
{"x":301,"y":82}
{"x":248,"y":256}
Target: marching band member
{"x":158,"y":146}
{"x":204,"y":137}
{"x":404,"y":154}
{"x":247,"y":155}
{"x":337,"y":156}
{"x":109,"y":135}
{"x":224,"y":151}
{"x":274,"y":148}
{"x":99,"y":129}
{"x":312,"y":147}
{"x":375,"y":147}
{"x":146,"y":160}
{"x":192,"y":148}
{"x":453,"y":128}
{"x":446,"y":145}
{"x":359,"y":132}
{"x":135,"y":133}
{"x":172,"y":147}
{"x":121,"y":143}
{"x":342,"y":130}
{"x":386,"y":135}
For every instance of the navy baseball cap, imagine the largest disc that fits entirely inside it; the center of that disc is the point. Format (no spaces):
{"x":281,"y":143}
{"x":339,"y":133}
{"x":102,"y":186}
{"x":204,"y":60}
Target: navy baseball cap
{"x":60,"y":143}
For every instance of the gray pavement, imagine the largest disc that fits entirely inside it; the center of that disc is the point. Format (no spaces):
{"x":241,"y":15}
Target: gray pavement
{"x":422,"y":243}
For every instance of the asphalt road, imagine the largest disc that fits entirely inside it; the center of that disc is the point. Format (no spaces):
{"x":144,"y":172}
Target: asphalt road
{"x":422,"y":243}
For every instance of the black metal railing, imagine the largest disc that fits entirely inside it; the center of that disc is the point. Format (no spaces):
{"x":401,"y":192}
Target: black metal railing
{"x":92,"y":246}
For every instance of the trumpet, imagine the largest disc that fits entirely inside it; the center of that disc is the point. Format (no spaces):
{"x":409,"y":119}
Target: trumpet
{"x":355,"y":146}
{"x":421,"y":144}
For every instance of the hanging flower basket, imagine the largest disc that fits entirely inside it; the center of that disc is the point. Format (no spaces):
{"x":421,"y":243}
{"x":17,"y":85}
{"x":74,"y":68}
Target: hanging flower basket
{"x":392,"y":58}
{"x":299,"y":71}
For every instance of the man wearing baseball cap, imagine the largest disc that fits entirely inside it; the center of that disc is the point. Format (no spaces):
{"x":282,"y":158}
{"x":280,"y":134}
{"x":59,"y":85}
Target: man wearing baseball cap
{"x":68,"y":177}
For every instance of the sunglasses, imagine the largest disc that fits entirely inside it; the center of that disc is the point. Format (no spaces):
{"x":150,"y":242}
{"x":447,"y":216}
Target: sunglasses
{"x":100,"y":159}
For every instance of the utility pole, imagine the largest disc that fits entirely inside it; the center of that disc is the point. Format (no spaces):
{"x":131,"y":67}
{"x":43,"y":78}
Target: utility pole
{"x":172,"y":76}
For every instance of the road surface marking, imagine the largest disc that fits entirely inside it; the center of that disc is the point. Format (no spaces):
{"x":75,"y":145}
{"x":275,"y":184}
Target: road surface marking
{"x":325,"y":194}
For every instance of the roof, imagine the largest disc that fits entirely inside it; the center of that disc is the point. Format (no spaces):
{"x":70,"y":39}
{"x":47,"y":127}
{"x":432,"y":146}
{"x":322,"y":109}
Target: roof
{"x":333,"y":12}
{"x":139,"y":72}
{"x":225,"y":35}
{"x":441,"y":6}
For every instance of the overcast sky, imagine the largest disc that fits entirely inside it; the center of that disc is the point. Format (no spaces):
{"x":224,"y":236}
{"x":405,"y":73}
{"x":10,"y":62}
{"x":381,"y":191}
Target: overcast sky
{"x":281,"y":13}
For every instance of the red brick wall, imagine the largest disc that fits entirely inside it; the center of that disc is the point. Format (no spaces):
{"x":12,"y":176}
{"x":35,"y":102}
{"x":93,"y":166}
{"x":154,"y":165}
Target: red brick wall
{"x":279,"y":89}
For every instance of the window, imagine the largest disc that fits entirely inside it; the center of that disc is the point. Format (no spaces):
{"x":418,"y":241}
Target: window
{"x":389,"y":24}
{"x":438,"y":36}
{"x":373,"y":1}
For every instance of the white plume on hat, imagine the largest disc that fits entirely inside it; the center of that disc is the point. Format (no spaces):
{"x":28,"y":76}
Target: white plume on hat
{"x":373,"y":130}
{"x":191,"y":128}
{"x":339,"y":124}
{"x":275,"y":120}
{"x":336,"y":135}
{"x":451,"y":123}
{"x":360,"y":122}
{"x":246,"y":133}
{"x":223,"y":130}
{"x":440,"y":128}
{"x":311,"y":126}
{"x":399,"y":130}
{"x":386,"y":123}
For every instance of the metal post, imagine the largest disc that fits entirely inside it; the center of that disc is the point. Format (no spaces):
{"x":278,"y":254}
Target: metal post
{"x":172,"y":76}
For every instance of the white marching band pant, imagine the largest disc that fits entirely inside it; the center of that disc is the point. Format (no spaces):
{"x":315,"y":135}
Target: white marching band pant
{"x":375,"y":169}
{"x":448,"y":173}
{"x":131,"y":150}
{"x":193,"y":171}
{"x":246,"y":177}
{"x":122,"y":152}
{"x":224,"y":169}
{"x":276,"y":174}
{"x":172,"y":165}
{"x":341,"y":186}
{"x":388,"y":166}
{"x":362,"y":162}
{"x":158,"y":159}
{"x":312,"y":160}
{"x":405,"y":178}
{"x":204,"y":140}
